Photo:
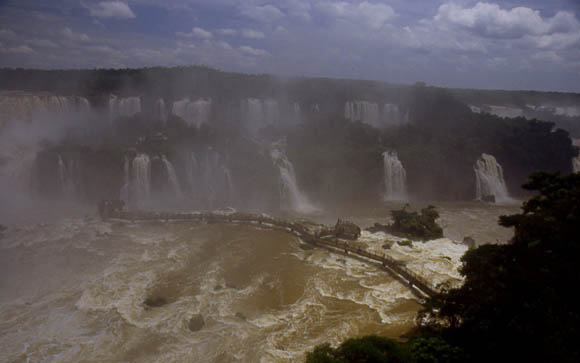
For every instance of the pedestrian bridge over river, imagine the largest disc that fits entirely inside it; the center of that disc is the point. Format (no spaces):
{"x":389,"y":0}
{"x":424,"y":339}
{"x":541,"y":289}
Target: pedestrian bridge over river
{"x":308,"y":232}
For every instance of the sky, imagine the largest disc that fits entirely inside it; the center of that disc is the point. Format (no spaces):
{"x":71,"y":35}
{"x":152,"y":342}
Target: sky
{"x":512,"y":44}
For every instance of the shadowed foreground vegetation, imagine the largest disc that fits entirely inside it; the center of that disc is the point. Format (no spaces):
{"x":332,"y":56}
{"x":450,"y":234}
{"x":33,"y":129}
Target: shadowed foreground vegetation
{"x":517,"y":303}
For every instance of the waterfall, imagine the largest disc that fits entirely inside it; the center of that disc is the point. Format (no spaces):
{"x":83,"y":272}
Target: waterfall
{"x":141,"y":179}
{"x":363,"y":111}
{"x":192,"y":172}
{"x":209,"y":179}
{"x":290,"y":194}
{"x":125,"y":189}
{"x":68,"y":175}
{"x":194,"y":113}
{"x":171,"y":176}
{"x":489,"y":179}
{"x":271,"y":112}
{"x":19,"y":106}
{"x":123,"y":107}
{"x":260,"y":113}
{"x":393,"y":116}
{"x":395,"y":177}
{"x":159,"y":110}
{"x":576,"y":160}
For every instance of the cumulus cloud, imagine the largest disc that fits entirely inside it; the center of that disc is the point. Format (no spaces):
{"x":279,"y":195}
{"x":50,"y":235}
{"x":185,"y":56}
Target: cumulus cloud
{"x":253,"y":51}
{"x":196,"y":33}
{"x":112,"y":9}
{"x":253,"y":34}
{"x":226,"y":31}
{"x":42,"y":43}
{"x":68,"y":34}
{"x":7,"y":34}
{"x":371,"y":15}
{"x":491,"y":21}
{"x":264,"y":13}
{"x":23,"y":49}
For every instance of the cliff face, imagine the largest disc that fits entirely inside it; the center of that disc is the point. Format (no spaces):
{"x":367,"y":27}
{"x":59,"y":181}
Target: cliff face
{"x":196,"y":137}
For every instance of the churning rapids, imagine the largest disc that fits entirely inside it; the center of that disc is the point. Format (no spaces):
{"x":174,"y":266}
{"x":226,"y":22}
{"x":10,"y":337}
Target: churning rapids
{"x":75,"y":290}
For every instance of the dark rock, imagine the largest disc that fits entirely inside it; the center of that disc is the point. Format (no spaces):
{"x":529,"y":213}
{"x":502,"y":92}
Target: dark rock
{"x":406,"y":242}
{"x":305,"y":247}
{"x":377,"y":227}
{"x":488,"y":198}
{"x":241,"y":316}
{"x":196,"y":323}
{"x":342,"y":229}
{"x":155,"y":301}
{"x":469,"y":242}
{"x":388,"y":244}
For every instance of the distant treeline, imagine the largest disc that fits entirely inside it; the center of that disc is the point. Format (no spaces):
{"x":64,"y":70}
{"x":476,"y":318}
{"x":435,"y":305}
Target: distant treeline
{"x":335,"y":159}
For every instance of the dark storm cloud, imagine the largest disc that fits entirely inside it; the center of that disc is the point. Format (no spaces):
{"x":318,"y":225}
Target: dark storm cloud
{"x":507,"y":44}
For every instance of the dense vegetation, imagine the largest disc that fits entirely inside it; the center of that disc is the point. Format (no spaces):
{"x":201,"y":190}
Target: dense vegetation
{"x":440,"y":146}
{"x":518,"y":302}
{"x":519,"y":298}
{"x":335,"y":159}
{"x":416,"y":226}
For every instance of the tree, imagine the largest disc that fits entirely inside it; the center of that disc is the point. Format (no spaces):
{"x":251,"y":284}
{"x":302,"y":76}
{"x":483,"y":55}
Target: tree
{"x":519,"y":298}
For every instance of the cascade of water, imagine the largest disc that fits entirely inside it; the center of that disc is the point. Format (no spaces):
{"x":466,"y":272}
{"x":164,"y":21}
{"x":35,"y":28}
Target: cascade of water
{"x":290,"y":194}
{"x":194,"y":113}
{"x":393,"y":115}
{"x":489,"y":179}
{"x":395,"y":177}
{"x":16,"y":106}
{"x":192,"y":172}
{"x":159,"y":110}
{"x":171,"y":176}
{"x":362,"y":111}
{"x":209,"y":178}
{"x":297,"y":113}
{"x":68,"y":174}
{"x":125,"y":189}
{"x":576,"y":160}
{"x":259,"y":113}
{"x":141,"y":179}
{"x":271,"y":112}
{"x":253,"y":114}
{"x":123,"y":107}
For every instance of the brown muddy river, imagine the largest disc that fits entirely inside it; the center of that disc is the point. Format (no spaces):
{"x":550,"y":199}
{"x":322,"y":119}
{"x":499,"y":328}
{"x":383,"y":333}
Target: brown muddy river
{"x":75,"y":290}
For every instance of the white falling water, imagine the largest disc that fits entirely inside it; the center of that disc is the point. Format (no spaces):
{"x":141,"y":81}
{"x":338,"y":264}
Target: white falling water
{"x":18,"y":106}
{"x":393,"y":116}
{"x":159,"y":110}
{"x":194,"y":113}
{"x":271,"y":112}
{"x":290,"y":194}
{"x":126,"y":188}
{"x":576,"y":160}
{"x":141,"y":179}
{"x":171,"y":176}
{"x":489,"y":179}
{"x":123,"y":107}
{"x":209,"y":179}
{"x":260,"y":113}
{"x":68,"y":175}
{"x":363,"y":111}
{"x":394,"y":177}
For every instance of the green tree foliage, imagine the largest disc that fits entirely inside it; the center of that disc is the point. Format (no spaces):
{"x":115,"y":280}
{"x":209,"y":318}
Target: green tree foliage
{"x":519,"y":299}
{"x":414,"y":225}
{"x":369,"y":349}
{"x":374,"y":349}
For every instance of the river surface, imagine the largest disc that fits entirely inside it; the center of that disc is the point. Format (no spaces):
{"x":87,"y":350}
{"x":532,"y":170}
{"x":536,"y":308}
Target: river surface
{"x":75,"y":289}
